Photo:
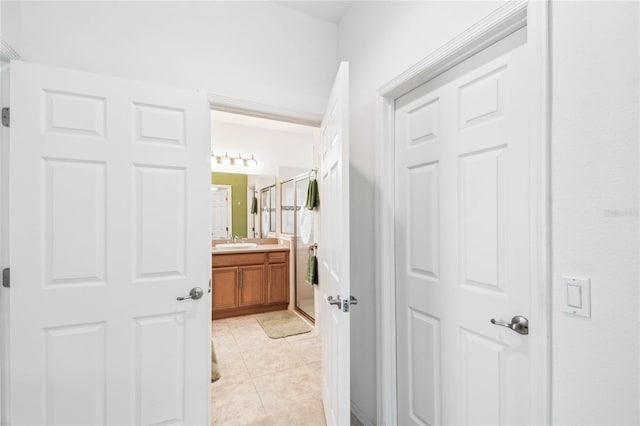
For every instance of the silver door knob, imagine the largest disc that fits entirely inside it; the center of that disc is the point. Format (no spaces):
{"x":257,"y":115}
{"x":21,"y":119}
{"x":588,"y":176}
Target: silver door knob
{"x":337,"y":302}
{"x":195,"y":294}
{"x":519,"y":324}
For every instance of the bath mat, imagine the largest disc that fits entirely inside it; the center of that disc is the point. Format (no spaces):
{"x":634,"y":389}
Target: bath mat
{"x":281,"y":324}
{"x":215,"y":372}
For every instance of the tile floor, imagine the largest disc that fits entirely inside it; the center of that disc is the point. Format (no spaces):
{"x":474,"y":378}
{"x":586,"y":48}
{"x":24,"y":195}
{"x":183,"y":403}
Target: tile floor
{"x":265,"y":381}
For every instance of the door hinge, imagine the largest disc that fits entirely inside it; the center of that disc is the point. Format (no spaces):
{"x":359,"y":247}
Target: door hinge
{"x":6,"y":278}
{"x":6,"y":117}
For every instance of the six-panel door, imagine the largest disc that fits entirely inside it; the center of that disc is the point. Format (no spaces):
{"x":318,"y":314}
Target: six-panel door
{"x":109,"y":188}
{"x":463,"y":241}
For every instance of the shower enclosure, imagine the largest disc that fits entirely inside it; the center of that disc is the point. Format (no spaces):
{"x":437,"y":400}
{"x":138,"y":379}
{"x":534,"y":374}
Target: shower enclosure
{"x":298,"y":221}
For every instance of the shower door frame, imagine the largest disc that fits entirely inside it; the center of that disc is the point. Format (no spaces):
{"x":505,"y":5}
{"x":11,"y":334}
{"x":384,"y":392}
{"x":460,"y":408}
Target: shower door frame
{"x":299,"y":310}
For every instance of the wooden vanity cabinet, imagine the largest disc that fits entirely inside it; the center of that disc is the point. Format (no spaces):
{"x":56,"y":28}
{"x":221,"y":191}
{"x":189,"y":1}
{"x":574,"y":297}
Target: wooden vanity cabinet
{"x":245,"y":283}
{"x":278,"y":278}
{"x":225,"y":295}
{"x":251,"y":285}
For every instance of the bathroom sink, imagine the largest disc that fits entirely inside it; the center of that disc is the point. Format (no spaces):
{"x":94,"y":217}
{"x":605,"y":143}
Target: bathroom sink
{"x":236,"y":246}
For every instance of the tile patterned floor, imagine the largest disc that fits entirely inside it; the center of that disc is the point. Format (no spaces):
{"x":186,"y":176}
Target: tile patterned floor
{"x":265,"y":381}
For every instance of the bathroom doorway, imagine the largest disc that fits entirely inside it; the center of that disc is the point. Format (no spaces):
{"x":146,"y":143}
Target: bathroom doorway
{"x":250,"y":284}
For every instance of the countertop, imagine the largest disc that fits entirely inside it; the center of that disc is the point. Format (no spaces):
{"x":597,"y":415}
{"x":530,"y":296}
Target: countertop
{"x":258,"y":249}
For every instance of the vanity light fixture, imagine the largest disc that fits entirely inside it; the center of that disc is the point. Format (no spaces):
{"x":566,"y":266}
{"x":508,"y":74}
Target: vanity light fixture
{"x":251,"y":162}
{"x":226,"y":160}
{"x":236,"y":161}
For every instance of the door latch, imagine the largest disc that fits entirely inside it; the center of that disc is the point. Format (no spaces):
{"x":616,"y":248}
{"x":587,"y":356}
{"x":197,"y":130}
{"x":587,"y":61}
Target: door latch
{"x":346,"y":304}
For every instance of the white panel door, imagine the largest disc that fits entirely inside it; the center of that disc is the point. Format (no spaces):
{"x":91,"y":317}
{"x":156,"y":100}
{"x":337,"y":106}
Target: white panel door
{"x":463,"y":225}
{"x":109,"y":217}
{"x":334,"y":253}
{"x":220,"y":212}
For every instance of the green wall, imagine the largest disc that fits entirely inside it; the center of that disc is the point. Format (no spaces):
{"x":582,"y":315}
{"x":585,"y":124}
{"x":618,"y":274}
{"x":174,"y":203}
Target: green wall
{"x":239,"y":210}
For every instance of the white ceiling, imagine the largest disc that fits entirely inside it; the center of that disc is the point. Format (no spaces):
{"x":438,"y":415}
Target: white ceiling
{"x":328,"y":10}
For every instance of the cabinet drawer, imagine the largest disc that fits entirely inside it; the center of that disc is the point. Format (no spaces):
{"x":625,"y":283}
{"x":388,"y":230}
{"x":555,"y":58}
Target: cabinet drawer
{"x":277,"y":256}
{"x":234,"y":259}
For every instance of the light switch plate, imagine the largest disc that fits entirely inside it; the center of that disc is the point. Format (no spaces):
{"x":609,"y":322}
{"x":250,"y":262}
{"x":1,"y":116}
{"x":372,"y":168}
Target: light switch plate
{"x":577,"y":296}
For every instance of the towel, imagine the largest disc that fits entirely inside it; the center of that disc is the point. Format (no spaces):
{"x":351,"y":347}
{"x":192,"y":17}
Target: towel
{"x":254,"y":205}
{"x":313,"y":198}
{"x":215,"y":372}
{"x":312,"y":269}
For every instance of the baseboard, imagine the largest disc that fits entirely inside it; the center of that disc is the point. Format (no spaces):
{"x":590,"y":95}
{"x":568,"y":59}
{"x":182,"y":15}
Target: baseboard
{"x":360,"y":415}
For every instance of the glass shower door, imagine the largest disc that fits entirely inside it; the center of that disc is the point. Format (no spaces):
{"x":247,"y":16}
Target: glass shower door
{"x":304,"y":240}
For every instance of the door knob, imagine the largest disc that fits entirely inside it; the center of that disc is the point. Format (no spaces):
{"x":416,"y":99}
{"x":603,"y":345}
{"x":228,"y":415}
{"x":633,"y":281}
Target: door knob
{"x":336,"y":302}
{"x":519,"y":324}
{"x":195,"y":294}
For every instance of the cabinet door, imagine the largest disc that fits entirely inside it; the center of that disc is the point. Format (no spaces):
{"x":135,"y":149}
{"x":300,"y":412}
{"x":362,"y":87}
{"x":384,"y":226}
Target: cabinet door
{"x":251,"y":285}
{"x":278,"y":285}
{"x":225,"y":288}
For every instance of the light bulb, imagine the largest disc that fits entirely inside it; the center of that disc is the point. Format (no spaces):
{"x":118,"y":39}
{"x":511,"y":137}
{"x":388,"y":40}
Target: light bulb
{"x":251,"y":162}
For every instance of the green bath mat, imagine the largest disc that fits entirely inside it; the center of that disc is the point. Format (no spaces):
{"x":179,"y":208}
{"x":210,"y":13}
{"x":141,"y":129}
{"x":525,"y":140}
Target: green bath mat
{"x":281,"y":324}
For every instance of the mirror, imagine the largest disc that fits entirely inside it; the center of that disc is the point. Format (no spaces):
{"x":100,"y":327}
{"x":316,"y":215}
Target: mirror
{"x":242,"y":188}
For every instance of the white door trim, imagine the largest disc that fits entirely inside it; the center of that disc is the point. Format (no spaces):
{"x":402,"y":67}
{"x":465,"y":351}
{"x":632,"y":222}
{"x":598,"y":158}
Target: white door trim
{"x":4,"y":242}
{"x":505,"y":20}
{"x":255,"y":109}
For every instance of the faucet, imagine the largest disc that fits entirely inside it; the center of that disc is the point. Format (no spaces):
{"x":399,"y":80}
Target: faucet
{"x":235,"y":239}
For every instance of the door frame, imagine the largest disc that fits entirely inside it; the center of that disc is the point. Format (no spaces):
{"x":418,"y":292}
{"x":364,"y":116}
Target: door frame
{"x":229,"y":190}
{"x":7,"y":54}
{"x":505,"y":20}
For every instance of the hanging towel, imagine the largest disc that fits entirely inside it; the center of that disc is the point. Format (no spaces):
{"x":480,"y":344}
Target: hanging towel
{"x":254,"y":205}
{"x":215,"y":372}
{"x":313,"y":198}
{"x":312,"y":269}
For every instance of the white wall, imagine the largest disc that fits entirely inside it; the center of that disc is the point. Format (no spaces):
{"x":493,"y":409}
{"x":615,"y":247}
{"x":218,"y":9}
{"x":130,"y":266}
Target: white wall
{"x":381,"y":40}
{"x":273,"y":149}
{"x":595,"y":163}
{"x":9,"y":23}
{"x":258,"y":51}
